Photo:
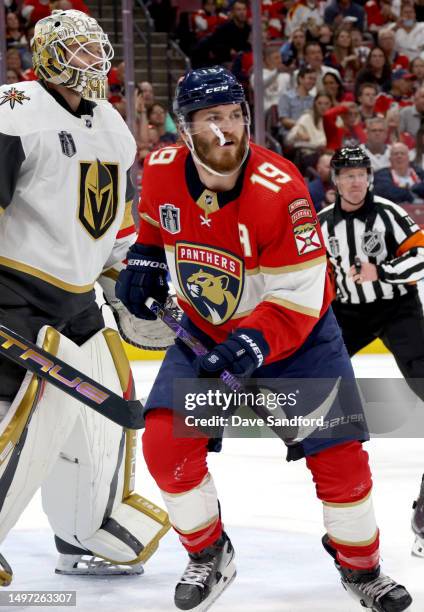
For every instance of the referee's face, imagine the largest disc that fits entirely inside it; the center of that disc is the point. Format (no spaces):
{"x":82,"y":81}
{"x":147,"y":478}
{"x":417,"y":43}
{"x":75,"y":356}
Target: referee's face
{"x":352,"y":185}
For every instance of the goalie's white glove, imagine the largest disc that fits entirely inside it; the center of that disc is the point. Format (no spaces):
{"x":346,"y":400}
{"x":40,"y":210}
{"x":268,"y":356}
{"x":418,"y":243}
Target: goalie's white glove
{"x":142,"y":333}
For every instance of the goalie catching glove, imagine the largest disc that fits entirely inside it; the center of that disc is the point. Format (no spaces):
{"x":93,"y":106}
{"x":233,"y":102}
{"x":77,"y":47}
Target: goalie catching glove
{"x":143,"y":332}
{"x":241,"y":354}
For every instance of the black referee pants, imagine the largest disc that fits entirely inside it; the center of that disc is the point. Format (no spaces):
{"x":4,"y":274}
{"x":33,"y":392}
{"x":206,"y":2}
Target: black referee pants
{"x":399,"y":323}
{"x":27,"y":320}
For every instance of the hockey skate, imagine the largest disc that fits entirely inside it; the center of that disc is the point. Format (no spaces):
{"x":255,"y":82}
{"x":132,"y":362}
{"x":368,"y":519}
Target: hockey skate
{"x":417,"y":523}
{"x":373,"y":589}
{"x":207,"y":574}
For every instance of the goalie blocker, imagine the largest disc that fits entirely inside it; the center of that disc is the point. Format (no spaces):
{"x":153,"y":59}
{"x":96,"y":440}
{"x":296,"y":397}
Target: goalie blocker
{"x":84,"y":463}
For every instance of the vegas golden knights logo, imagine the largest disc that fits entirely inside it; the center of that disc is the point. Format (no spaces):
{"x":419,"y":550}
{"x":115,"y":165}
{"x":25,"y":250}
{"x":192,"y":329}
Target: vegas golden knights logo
{"x":98,"y":196}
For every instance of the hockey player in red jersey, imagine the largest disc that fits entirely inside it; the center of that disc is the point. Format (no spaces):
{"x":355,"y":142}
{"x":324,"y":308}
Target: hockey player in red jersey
{"x":234,"y":225}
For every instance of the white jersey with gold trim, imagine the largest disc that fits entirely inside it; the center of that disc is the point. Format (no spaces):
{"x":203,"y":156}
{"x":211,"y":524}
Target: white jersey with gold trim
{"x":64,"y":194}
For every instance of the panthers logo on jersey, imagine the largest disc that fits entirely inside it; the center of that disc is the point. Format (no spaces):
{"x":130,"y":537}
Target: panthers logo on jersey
{"x":98,"y":200}
{"x":211,"y":280}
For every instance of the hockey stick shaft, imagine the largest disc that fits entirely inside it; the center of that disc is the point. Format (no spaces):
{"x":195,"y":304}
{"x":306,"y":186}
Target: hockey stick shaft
{"x":127,"y":413}
{"x":234,"y":383}
{"x":189,"y":340}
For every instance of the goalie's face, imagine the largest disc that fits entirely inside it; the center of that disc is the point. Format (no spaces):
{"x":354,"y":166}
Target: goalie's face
{"x":86,"y":56}
{"x":219,"y":136}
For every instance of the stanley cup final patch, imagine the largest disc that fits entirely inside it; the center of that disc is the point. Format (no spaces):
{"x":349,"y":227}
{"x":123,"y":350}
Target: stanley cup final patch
{"x":170,"y":218}
{"x":307,"y":238}
{"x":67,"y":143}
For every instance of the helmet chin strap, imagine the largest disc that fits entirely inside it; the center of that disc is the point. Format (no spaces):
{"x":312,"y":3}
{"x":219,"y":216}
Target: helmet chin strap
{"x":215,"y":129}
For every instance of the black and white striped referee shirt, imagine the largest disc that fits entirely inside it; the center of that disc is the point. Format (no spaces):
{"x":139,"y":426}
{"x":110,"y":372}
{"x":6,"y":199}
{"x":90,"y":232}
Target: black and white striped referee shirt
{"x":382,"y":233}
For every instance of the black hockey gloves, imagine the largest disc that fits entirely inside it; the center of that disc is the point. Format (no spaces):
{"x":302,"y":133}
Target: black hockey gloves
{"x":241,"y":354}
{"x":144,"y":277}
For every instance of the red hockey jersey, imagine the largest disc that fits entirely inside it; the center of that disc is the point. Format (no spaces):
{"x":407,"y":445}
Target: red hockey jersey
{"x":251,"y":257}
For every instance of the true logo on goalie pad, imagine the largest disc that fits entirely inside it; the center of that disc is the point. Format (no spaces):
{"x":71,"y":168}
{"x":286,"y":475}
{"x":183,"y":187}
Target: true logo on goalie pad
{"x":170,"y":218}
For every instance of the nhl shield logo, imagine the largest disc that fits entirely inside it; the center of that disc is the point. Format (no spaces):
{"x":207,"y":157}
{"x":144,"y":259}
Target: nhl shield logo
{"x":170,"y":218}
{"x":67,"y":143}
{"x":372,"y":243}
{"x":210,"y":279}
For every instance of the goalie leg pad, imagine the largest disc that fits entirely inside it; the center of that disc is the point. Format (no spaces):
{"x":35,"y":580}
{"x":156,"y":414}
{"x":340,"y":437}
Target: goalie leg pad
{"x":88,"y":496}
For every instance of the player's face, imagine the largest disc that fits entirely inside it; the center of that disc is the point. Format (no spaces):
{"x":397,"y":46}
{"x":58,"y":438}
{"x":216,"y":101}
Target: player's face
{"x":352,"y":185}
{"x":230,"y":121}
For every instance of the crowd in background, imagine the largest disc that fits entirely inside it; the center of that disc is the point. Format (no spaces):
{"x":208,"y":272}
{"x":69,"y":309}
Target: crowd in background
{"x":336,"y":72}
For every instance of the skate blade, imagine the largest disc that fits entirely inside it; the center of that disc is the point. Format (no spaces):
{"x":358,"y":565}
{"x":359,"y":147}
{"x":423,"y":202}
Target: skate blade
{"x":227,"y":578}
{"x":418,"y":547}
{"x":84,"y":571}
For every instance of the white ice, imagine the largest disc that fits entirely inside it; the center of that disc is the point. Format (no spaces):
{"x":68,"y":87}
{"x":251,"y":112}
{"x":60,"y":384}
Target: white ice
{"x":274,"y":520}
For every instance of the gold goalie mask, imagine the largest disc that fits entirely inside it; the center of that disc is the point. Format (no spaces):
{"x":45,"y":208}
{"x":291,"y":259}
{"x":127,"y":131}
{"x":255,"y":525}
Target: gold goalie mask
{"x":70,"y":48}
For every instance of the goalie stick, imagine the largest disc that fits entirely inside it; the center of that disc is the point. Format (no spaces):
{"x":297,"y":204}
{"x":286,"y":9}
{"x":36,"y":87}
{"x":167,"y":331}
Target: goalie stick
{"x":303,"y":431}
{"x":127,"y":413}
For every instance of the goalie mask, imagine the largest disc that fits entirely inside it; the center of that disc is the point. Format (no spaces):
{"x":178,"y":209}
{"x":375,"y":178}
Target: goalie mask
{"x":70,"y":48}
{"x":205,"y":88}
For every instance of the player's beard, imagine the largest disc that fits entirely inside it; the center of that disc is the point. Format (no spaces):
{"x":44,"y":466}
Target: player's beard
{"x":220,"y":159}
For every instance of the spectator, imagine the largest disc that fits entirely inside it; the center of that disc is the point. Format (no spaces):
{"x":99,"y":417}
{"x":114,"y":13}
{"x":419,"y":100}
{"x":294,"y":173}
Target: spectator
{"x":14,"y":34}
{"x":332,"y":85}
{"x":417,"y":69}
{"x":403,"y":181}
{"x":34,"y":10}
{"x":325,"y":38}
{"x":14,"y":62}
{"x":375,"y":146}
{"x":343,"y":57}
{"x":275,"y":81}
{"x":11,"y":76}
{"x":359,"y":47}
{"x":146,"y":89}
{"x":367,"y":95}
{"x":379,"y":13}
{"x":338,"y":10}
{"x":400,"y":93}
{"x":321,"y":188}
{"x":350,"y":133}
{"x":377,"y":70}
{"x":295,"y":102}
{"x":273,"y":14}
{"x":409,"y":36}
{"x":419,"y":149}
{"x":303,"y":13}
{"x":308,"y":132}
{"x":386,"y":42}
{"x":157,"y":117}
{"x":394,"y":132}
{"x":230,"y":37}
{"x":292,"y":52}
{"x":412,"y":117}
{"x":116,"y":82}
{"x":314,"y":59}
{"x":207,"y":19}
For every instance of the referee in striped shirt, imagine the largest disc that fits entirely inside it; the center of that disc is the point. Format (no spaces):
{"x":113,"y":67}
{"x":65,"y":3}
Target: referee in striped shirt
{"x":377,"y":254}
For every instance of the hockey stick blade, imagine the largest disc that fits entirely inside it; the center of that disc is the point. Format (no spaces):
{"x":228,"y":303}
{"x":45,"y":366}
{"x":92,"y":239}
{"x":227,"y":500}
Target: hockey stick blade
{"x":235,"y":384}
{"x":127,"y":413}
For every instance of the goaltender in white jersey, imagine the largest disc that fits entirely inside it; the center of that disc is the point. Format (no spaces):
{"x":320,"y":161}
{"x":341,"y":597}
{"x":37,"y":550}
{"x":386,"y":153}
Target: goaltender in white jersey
{"x":65,"y":218}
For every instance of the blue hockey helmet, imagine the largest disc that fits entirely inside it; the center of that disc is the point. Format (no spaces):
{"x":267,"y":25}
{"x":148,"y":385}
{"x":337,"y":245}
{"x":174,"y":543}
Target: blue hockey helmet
{"x":204,"y":88}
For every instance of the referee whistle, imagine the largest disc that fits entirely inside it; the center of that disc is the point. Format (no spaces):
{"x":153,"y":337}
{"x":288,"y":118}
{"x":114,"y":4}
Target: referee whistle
{"x":358,"y":265}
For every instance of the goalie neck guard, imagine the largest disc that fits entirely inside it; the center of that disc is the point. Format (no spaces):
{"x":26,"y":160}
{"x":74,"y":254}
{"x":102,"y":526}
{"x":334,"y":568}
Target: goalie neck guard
{"x":70,"y":48}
